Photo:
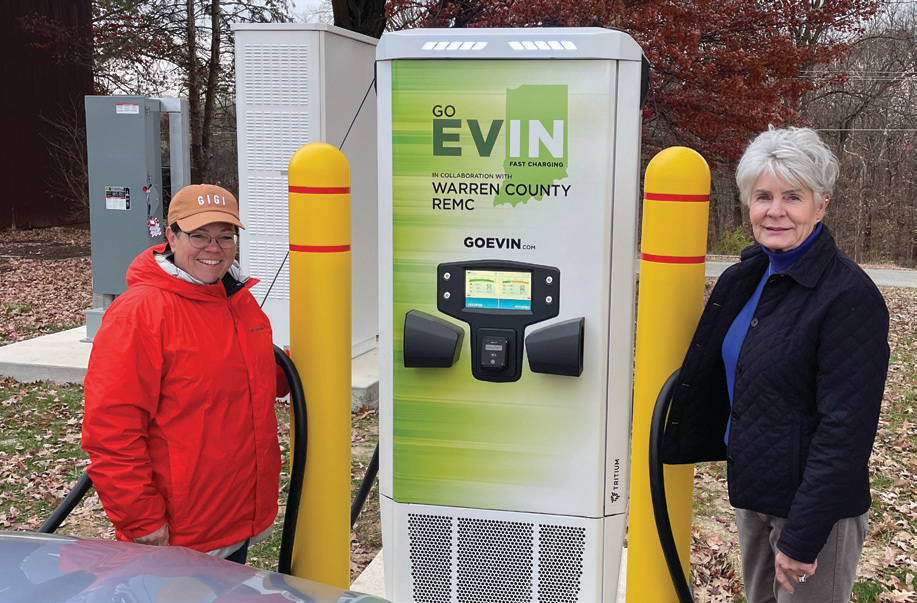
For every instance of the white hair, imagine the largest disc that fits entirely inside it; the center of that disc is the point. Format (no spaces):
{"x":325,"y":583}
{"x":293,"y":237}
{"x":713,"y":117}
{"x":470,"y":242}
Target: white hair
{"x":795,"y":155}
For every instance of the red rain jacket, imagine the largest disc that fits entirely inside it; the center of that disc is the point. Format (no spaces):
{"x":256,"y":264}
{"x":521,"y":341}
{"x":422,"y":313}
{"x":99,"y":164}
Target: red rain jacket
{"x":179,"y":424}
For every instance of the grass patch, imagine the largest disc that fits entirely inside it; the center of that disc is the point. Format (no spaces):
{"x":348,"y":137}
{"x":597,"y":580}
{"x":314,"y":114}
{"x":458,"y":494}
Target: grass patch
{"x":10,"y":308}
{"x":867,"y":591}
{"x":881,"y":482}
{"x":266,"y":553}
{"x":40,"y":455}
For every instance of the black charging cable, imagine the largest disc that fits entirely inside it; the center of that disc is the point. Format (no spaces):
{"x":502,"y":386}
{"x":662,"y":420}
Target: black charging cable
{"x":365,"y":486}
{"x":657,"y":491}
{"x":298,"y":442}
{"x":73,"y":498}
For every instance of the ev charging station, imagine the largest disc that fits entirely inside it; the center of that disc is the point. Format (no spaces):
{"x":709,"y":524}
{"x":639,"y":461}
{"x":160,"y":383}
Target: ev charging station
{"x":508,"y":190}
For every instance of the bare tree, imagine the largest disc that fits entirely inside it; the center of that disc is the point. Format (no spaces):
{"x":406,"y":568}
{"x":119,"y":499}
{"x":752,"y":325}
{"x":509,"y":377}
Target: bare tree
{"x":169,"y":48}
{"x":66,"y":143}
{"x":869,"y":114}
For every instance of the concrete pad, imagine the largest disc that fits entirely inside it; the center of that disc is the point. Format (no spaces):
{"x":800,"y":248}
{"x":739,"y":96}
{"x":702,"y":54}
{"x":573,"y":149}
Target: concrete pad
{"x":59,"y":357}
{"x":365,"y":381}
{"x":372,"y":580}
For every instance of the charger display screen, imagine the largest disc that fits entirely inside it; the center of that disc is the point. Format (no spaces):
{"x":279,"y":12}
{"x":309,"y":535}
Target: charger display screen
{"x":498,"y":290}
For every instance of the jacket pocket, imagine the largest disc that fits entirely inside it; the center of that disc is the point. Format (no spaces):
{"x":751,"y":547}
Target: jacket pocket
{"x":177,"y":489}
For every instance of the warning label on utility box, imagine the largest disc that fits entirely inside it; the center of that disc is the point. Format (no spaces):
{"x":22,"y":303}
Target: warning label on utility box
{"x":117,"y":197}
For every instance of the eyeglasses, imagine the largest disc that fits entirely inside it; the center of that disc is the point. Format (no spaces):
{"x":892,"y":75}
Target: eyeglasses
{"x":200,"y":240}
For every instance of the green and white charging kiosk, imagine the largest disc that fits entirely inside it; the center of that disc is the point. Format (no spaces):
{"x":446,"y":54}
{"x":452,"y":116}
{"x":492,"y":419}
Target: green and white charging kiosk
{"x":509,"y":181}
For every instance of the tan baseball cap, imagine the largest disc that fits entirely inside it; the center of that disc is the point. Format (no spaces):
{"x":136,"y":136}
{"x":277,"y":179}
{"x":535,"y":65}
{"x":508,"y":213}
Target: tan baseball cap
{"x":197,"y":205}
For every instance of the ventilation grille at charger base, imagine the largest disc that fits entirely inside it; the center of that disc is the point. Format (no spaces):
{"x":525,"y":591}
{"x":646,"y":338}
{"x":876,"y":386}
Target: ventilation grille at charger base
{"x":560,"y":563}
{"x":494,"y":561}
{"x":431,"y":557}
{"x":473,"y":560}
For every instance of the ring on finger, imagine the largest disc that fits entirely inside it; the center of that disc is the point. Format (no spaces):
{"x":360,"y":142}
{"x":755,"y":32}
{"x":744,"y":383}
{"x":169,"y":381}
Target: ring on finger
{"x":802,"y":578}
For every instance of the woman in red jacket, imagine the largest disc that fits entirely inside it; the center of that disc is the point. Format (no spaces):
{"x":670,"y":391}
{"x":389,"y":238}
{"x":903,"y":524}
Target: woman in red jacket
{"x":179,"y":425}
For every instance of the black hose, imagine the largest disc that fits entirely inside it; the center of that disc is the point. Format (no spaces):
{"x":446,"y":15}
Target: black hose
{"x":298,"y":442}
{"x":365,"y":486}
{"x":657,"y":491}
{"x":73,"y":498}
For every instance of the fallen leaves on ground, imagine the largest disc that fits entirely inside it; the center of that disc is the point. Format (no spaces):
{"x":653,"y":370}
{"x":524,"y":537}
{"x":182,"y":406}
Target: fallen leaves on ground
{"x":46,"y":277}
{"x":55,"y":243}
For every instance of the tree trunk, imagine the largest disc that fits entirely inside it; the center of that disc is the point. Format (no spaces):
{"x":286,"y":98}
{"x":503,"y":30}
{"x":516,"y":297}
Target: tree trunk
{"x":213,"y":71}
{"x":362,"y":16}
{"x":194,"y":89}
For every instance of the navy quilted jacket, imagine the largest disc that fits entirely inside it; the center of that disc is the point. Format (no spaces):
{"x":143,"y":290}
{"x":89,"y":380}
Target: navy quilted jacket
{"x":808,"y":388}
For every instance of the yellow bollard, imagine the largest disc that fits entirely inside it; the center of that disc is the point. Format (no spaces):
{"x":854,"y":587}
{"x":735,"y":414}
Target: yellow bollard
{"x":675,"y":209}
{"x":320,"y":307}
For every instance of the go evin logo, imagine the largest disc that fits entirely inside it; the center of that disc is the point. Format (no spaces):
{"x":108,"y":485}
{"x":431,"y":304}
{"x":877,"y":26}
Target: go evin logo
{"x":447,"y":129}
{"x":535,"y":149}
{"x":496,"y":243}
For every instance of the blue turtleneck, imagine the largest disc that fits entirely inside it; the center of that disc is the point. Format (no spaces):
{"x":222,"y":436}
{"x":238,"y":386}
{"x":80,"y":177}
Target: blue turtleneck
{"x":735,"y":337}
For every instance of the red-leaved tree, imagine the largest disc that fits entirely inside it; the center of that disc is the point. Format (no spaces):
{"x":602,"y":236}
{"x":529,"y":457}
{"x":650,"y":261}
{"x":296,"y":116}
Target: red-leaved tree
{"x":722,"y":70}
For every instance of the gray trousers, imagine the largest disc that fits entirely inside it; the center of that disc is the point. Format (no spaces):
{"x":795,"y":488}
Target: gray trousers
{"x":837,"y":561}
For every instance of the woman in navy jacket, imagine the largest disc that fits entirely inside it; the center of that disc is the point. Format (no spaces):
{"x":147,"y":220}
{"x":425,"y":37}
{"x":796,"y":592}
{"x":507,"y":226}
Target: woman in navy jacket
{"x":784,"y":380}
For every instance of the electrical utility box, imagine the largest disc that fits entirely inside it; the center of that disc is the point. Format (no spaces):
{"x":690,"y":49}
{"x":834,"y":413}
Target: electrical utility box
{"x":295,"y":84}
{"x":508,"y":190}
{"x":125,"y":185}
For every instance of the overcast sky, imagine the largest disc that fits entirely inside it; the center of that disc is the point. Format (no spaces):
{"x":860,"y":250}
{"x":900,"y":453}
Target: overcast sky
{"x":300,"y":4}
{"x":307,"y":11}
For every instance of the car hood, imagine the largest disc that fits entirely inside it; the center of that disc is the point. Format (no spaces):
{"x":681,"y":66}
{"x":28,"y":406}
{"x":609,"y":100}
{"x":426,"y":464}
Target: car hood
{"x":52,"y":568}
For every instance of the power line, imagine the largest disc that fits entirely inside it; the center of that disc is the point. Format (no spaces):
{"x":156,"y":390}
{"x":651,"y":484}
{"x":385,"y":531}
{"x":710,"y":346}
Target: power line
{"x":866,"y":129}
{"x":862,"y":78}
{"x":864,"y":72}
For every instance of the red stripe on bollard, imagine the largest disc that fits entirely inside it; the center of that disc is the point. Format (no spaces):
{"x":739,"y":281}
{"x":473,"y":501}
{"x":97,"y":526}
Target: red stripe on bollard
{"x":325,"y":190}
{"x":320,"y":248}
{"x":672,"y":259}
{"x":684,"y":198}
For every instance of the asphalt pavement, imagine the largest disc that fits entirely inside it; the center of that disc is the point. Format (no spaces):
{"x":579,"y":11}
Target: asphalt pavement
{"x":884,"y":277}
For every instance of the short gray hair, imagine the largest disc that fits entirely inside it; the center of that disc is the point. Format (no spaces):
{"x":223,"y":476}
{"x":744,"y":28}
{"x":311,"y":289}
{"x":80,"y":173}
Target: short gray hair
{"x":795,"y":155}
